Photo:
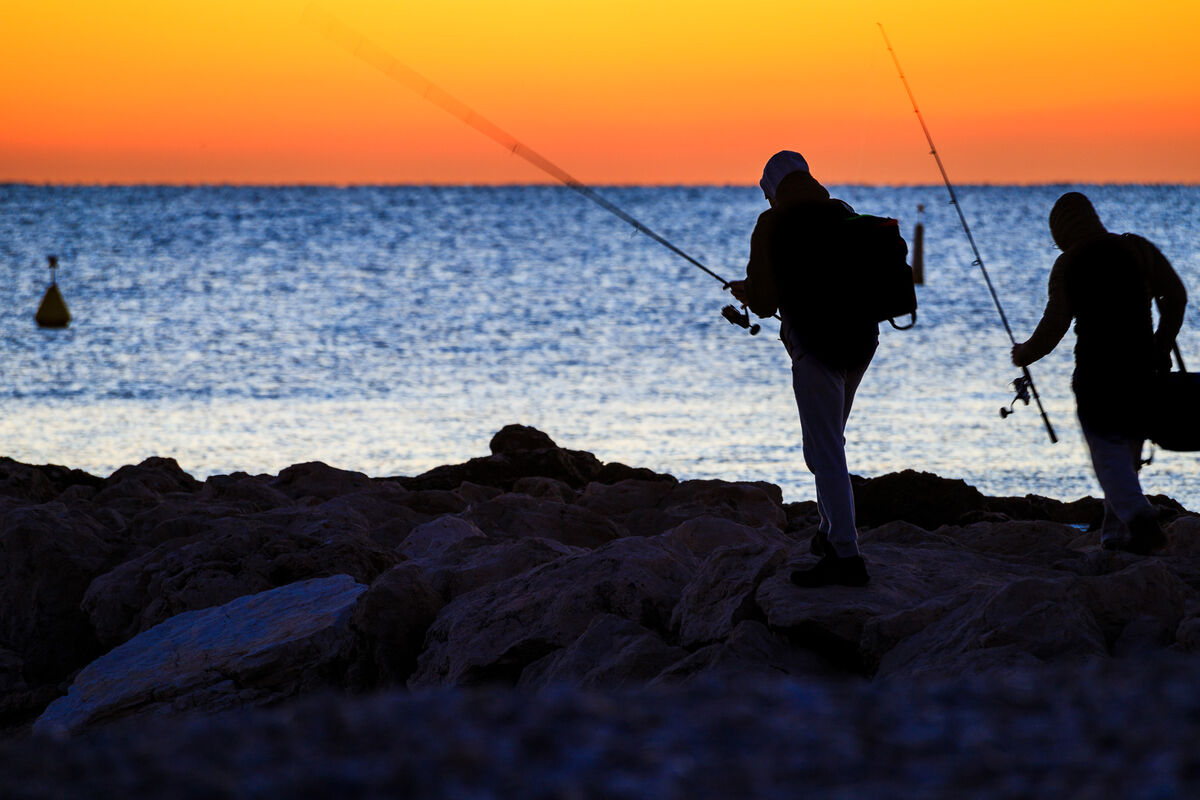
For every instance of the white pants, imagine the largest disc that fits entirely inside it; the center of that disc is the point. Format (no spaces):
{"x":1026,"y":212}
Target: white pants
{"x":1116,"y":460}
{"x":824,"y":396}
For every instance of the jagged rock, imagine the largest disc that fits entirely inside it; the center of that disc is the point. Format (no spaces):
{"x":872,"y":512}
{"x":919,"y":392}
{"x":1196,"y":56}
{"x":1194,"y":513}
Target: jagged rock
{"x":615,"y":472}
{"x":721,"y":595}
{"x":159,"y":475}
{"x":750,"y":652}
{"x":1042,"y":541}
{"x":248,"y":493}
{"x":573,"y":467}
{"x":41,"y":484}
{"x":704,"y":534}
{"x":512,"y":438}
{"x":647,"y":508}
{"x":613,"y":652}
{"x":1024,"y":621}
{"x":50,"y":556}
{"x":234,"y":556}
{"x":833,"y":620}
{"x":435,"y":537}
{"x":391,"y":618}
{"x":477,"y":562}
{"x":494,"y":633}
{"x":472,"y":493}
{"x":315,"y":480}
{"x":921,"y":498}
{"x":515,"y":516}
{"x":253,"y":651}
{"x":546,"y":488}
{"x":1145,"y":588}
{"x":1184,"y":536}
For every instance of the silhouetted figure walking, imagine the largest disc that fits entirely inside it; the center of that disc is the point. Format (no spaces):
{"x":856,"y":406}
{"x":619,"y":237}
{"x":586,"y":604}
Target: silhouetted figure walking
{"x":1105,"y":282}
{"x":789,"y":249}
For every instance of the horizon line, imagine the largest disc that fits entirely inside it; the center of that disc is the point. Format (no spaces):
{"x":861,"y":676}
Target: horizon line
{"x":49,"y":184}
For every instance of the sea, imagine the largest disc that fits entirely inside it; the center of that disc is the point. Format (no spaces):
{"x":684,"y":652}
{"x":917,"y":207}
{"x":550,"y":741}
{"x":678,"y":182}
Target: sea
{"x":391,"y":329}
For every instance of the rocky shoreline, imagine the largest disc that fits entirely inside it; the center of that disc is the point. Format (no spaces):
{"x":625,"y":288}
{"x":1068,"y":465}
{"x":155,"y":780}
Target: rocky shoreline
{"x":537,"y":623}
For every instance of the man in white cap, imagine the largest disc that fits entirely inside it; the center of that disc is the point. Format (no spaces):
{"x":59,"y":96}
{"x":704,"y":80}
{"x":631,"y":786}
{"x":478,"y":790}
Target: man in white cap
{"x":790,"y":248}
{"x":1105,"y":282}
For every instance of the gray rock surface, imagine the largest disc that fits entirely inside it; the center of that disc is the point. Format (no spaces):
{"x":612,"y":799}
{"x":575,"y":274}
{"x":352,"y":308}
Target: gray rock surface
{"x":255,"y":650}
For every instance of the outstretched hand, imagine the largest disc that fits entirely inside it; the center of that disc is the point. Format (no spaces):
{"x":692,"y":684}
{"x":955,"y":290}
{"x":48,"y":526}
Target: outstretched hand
{"x":1018,"y":355}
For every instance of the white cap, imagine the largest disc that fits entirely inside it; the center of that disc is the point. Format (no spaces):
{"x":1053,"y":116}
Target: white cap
{"x":778,"y":167}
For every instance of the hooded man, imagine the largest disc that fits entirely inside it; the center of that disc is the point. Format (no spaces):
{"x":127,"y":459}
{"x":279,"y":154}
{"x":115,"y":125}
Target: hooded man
{"x":790,"y":250}
{"x":1105,"y":282}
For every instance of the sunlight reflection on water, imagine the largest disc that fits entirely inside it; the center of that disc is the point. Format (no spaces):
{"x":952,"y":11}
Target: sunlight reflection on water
{"x":390,"y":330}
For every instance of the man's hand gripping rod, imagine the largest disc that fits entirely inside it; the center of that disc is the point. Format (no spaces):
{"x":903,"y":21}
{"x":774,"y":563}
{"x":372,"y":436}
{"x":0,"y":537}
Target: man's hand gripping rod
{"x":1024,"y":384}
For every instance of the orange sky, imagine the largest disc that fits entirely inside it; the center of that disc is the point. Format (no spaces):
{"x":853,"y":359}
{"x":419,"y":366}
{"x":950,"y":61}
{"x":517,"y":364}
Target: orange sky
{"x":614,"y":91}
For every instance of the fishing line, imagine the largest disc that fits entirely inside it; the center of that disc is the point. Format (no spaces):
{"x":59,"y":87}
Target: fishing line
{"x":363,"y":48}
{"x":1024,"y":384}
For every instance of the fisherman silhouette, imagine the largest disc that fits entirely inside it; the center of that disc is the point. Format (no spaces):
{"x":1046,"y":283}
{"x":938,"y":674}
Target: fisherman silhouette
{"x":791,"y":243}
{"x":1105,"y":282}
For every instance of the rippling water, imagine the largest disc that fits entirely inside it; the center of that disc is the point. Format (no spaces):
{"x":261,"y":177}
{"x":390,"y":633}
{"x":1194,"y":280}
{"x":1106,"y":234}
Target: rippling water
{"x":392,"y":329}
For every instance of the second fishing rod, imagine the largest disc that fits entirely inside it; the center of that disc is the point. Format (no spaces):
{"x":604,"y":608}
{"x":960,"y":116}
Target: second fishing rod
{"x":1023,"y":385}
{"x":360,"y":46}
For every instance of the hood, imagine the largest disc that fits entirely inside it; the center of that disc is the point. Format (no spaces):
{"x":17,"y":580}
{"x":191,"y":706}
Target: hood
{"x":1073,"y":221}
{"x":799,"y":187}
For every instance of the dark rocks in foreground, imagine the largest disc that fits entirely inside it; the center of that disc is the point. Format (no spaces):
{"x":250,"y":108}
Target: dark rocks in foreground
{"x":151,"y":596}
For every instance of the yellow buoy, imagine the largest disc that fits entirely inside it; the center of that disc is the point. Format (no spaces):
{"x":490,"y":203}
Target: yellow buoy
{"x":52,"y":313}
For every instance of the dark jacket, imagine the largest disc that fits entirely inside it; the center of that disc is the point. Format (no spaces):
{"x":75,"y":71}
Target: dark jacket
{"x":1106,"y":282}
{"x":792,"y":258}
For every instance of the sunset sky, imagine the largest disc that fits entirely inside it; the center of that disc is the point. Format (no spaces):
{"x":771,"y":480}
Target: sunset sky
{"x":613,"y":91}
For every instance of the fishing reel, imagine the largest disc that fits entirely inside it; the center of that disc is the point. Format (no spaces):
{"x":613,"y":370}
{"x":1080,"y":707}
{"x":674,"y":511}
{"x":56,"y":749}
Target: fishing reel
{"x":740,"y":318}
{"x":1021,"y":385}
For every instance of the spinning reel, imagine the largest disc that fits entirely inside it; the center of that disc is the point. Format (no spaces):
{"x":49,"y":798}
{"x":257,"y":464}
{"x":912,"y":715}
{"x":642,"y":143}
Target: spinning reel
{"x":740,"y":318}
{"x":1021,"y":385}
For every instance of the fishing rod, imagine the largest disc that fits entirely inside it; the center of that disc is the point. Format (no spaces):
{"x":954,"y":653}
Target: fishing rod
{"x":366,"y":50}
{"x":1023,"y":384}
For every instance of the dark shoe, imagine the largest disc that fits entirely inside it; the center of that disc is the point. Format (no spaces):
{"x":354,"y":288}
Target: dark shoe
{"x":833,"y":571}
{"x":819,"y":545}
{"x":1146,"y":536}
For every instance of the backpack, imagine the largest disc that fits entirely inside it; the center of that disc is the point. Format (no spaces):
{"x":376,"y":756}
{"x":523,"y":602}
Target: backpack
{"x":875,"y":279}
{"x":839,"y":272}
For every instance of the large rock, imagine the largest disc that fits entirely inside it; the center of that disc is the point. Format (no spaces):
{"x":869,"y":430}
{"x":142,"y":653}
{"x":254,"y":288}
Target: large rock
{"x":317,"y":481}
{"x":516,"y":516}
{"x":391,"y":620}
{"x":494,"y":633}
{"x":612,"y":653}
{"x":41,"y":484}
{"x":502,"y":470}
{"x":751,"y":652}
{"x":233,"y":557}
{"x":721,"y":595}
{"x":49,"y":557}
{"x":254,"y":651}
{"x":832,"y":620}
{"x":647,"y":508}
{"x":514,"y":438}
{"x":1026,"y":621}
{"x":1039,"y":541}
{"x":434,"y":538}
{"x":478,"y":562}
{"x":921,"y":498}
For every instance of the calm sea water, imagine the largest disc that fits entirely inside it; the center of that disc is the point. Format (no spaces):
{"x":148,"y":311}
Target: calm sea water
{"x":392,"y":329}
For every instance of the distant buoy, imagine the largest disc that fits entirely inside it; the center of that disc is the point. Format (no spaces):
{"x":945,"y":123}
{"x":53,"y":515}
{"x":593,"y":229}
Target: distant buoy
{"x":53,"y":313}
{"x":918,"y":250}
